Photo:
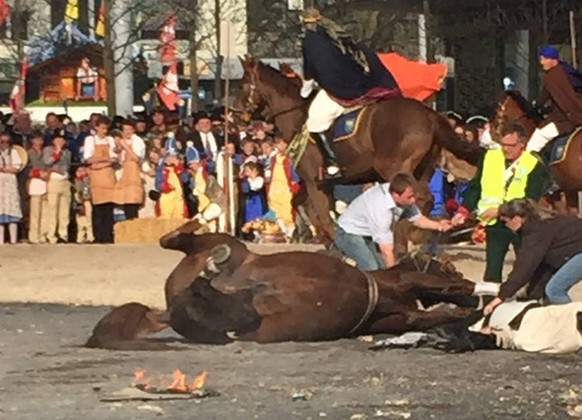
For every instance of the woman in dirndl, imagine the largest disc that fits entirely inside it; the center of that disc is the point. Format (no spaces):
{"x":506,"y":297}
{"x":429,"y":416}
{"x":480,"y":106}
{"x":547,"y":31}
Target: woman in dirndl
{"x":10,"y":210}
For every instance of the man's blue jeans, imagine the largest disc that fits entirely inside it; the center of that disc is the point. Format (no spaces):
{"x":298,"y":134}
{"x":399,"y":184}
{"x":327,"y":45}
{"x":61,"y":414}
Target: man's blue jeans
{"x":563,"y":280}
{"x":360,"y":249}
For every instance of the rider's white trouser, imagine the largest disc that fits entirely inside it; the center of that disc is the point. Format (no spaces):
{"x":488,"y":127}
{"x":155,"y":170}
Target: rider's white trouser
{"x":541,"y":137}
{"x":322,"y":113}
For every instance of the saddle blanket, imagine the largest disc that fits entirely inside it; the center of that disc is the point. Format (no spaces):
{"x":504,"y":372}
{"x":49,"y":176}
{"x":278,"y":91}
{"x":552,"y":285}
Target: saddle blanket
{"x":347,"y":124}
{"x":559,"y":147}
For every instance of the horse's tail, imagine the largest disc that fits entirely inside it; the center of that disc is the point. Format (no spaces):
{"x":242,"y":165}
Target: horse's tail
{"x":446,"y":138}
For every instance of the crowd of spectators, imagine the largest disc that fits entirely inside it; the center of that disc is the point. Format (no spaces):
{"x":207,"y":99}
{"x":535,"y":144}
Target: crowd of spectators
{"x":71,"y":181}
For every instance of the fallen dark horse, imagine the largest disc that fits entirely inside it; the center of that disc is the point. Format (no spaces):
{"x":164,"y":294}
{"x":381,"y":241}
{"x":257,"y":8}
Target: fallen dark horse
{"x":296,"y":296}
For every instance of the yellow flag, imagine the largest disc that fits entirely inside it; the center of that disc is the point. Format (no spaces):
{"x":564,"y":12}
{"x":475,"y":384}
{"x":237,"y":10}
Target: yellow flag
{"x":72,"y":10}
{"x":100,"y":27}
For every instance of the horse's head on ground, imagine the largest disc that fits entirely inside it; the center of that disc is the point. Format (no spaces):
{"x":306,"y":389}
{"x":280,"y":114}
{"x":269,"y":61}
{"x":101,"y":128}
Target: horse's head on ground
{"x":193,"y":237}
{"x":514,"y":106}
{"x":422,"y":262}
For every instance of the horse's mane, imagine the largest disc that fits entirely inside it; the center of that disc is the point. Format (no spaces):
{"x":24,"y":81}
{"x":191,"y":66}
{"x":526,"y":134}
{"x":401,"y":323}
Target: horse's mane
{"x":278,"y":81}
{"x":520,"y":100}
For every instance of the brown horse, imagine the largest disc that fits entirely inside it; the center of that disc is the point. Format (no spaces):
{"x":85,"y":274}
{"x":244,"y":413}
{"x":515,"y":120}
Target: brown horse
{"x":282,"y":297}
{"x":566,"y":172}
{"x":395,"y":135}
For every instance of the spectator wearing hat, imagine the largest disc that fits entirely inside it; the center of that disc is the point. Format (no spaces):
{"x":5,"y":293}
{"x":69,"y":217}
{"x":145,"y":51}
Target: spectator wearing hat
{"x":129,"y":190}
{"x":99,"y":153}
{"x":205,"y":140}
{"x":58,"y":163}
{"x":454,"y":119}
{"x":171,"y":203}
{"x":36,"y":189}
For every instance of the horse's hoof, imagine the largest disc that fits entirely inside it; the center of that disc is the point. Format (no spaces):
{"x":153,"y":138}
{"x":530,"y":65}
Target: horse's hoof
{"x":220,"y":253}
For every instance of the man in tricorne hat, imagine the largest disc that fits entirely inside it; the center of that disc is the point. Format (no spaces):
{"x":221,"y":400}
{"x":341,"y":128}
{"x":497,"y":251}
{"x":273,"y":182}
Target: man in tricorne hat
{"x":206,"y":141}
{"x":563,"y":87}
{"x":345,"y":70}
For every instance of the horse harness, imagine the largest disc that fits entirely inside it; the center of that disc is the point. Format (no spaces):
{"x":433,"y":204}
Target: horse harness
{"x":373,"y":296}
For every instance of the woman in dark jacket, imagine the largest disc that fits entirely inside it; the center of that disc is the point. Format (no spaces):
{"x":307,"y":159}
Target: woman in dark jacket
{"x":546,"y":238}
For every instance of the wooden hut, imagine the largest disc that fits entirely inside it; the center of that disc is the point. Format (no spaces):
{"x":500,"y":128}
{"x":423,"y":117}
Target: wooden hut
{"x":55,"y":79}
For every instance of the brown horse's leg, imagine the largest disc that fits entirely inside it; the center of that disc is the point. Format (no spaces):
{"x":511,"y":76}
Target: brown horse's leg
{"x":417,"y":320}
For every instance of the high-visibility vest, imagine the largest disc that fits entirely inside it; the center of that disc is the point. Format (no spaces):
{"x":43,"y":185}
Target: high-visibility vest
{"x":500,"y":184}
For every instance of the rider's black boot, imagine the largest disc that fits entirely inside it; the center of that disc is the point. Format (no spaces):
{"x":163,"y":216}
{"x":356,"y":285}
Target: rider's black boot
{"x":332,"y":169}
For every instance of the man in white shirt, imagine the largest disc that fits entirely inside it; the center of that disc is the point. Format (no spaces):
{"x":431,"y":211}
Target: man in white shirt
{"x":365,"y":230}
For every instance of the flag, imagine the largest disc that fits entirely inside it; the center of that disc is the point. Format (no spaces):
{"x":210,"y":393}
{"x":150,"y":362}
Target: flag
{"x":19,"y":90}
{"x":4,"y":12}
{"x":100,"y":25}
{"x":168,"y":87}
{"x":168,"y":41}
{"x":416,"y":79}
{"x":72,"y":11}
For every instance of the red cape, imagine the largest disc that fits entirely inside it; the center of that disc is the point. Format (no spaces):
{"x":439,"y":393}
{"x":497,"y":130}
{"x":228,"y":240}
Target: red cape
{"x":416,"y":79}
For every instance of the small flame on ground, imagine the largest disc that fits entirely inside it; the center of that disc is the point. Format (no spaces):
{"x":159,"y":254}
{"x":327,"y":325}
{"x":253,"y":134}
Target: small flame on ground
{"x":178,"y":383}
{"x":198,"y":382}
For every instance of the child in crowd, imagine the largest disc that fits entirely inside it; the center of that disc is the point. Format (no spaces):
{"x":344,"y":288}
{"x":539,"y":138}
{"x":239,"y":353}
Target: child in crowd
{"x":284,"y":184}
{"x":83,"y":209}
{"x":37,"y":188}
{"x":208,"y":194}
{"x":268,"y":152}
{"x":149,"y":168}
{"x":171,"y":204}
{"x":253,"y":192}
{"x":249,"y":153}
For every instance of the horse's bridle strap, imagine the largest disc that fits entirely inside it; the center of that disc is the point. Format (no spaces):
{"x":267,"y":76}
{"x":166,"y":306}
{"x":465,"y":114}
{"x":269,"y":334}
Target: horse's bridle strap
{"x":373,"y":296}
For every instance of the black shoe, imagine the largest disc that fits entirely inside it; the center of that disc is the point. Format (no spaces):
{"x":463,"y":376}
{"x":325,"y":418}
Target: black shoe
{"x":62,"y":241}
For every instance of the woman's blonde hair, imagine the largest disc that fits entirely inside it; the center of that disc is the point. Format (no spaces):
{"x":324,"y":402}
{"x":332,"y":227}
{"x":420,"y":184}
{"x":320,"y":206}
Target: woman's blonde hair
{"x":526,"y":208}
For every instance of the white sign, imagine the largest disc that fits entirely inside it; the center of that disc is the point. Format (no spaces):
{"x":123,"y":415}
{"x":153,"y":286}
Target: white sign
{"x":295,"y":4}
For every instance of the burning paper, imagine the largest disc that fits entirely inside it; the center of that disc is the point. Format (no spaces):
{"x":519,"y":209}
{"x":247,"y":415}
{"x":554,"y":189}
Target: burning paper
{"x":165,"y":387}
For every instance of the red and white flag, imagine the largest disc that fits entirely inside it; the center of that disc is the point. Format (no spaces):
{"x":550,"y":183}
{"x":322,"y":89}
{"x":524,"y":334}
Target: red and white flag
{"x":19,"y":90}
{"x":168,"y":41}
{"x":168,"y":88}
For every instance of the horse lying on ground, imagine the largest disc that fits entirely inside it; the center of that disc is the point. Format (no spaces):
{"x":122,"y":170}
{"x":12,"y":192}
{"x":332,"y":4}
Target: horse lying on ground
{"x":299,"y":296}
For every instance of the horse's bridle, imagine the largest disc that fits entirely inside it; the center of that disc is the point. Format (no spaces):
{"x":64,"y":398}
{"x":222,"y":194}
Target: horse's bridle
{"x":252,"y":106}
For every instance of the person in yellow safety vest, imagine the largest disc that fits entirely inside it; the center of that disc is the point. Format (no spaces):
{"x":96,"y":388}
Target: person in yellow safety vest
{"x":504,"y":174}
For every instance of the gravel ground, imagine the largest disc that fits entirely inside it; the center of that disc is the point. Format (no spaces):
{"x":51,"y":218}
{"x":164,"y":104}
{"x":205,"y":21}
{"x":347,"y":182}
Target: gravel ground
{"x":46,"y":375}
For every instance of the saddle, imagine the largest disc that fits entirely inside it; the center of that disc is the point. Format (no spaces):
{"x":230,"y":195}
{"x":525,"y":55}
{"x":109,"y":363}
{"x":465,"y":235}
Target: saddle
{"x":347,"y":125}
{"x":557,"y":150}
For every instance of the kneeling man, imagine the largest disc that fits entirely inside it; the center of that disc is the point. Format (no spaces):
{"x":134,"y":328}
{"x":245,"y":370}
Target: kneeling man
{"x":365,"y":230}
